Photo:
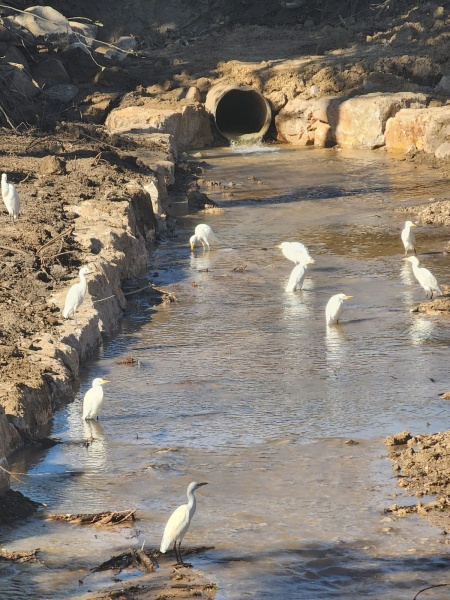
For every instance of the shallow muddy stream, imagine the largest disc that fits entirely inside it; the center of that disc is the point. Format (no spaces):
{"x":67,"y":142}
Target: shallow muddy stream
{"x":241,"y":384}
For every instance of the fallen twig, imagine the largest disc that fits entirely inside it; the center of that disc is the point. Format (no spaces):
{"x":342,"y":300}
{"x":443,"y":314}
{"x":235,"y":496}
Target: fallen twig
{"x":56,"y":238}
{"x":18,"y":250}
{"x":12,"y":474}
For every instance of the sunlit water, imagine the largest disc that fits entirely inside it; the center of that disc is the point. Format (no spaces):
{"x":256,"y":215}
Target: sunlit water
{"x":250,"y":391}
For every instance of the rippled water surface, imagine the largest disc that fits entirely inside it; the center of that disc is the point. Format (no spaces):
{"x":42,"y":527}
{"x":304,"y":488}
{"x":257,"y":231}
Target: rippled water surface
{"x":241,"y":384}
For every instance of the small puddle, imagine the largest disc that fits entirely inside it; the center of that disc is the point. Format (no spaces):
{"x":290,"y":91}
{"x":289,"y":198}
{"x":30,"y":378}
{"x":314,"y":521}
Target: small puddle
{"x":240,"y":384}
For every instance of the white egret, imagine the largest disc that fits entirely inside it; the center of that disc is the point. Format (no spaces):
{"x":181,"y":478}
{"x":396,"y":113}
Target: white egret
{"x":408,"y":237}
{"x":179,"y":522}
{"x":426,"y":279}
{"x":295,"y":251}
{"x":10,"y":198}
{"x":334,"y":308}
{"x":93,"y":399}
{"x":203,"y":234}
{"x":75,"y":295}
{"x":297,"y":276}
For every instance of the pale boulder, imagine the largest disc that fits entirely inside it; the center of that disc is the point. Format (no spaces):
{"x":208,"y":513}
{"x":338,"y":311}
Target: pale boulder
{"x":426,"y":129}
{"x":44,"y":22}
{"x":300,"y":121}
{"x":190,"y":125}
{"x":443,"y":151}
{"x":323,"y":135}
{"x":361,"y":120}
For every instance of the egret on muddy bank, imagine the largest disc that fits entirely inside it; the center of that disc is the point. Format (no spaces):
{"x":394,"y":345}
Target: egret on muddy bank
{"x":295,"y":251}
{"x":426,"y":279}
{"x":334,"y":308}
{"x":203,"y":234}
{"x":93,"y":399}
{"x":10,"y":198}
{"x":298,"y":275}
{"x":75,"y":295}
{"x":408,"y":237}
{"x":179,"y":522}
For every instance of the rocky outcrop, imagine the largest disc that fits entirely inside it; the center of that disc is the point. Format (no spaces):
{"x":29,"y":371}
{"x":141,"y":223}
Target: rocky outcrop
{"x":426,"y":129}
{"x":358,"y":122}
{"x":189,"y":125}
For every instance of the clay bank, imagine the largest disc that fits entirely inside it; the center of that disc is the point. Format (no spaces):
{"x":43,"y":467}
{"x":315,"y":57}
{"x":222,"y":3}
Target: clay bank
{"x":93,"y":206}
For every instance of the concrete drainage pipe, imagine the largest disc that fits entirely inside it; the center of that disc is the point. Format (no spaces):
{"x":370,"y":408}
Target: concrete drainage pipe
{"x":240,"y":112}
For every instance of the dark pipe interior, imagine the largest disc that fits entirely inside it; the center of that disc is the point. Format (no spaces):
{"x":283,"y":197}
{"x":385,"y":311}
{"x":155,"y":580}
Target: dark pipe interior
{"x":240,"y":112}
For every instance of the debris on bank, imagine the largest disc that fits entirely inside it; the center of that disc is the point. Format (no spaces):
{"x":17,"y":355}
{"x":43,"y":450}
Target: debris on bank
{"x":421,"y":464}
{"x":102,"y":518}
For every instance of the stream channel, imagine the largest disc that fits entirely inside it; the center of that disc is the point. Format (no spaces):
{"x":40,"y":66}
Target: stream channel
{"x":241,"y":384}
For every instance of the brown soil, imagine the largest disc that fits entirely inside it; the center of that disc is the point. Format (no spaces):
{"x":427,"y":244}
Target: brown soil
{"x":336,"y":47}
{"x":422,"y":465}
{"x":39,"y":254}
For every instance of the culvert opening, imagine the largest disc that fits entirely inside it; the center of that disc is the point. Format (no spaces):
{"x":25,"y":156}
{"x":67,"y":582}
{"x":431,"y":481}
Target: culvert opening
{"x":240,"y":113}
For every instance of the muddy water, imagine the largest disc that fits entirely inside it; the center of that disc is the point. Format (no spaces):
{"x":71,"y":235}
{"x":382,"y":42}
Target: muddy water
{"x":240,"y":383}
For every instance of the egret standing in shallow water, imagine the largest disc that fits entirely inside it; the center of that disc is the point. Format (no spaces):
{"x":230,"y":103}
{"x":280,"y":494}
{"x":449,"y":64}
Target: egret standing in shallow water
{"x":295,"y":251}
{"x":408,"y":237}
{"x":75,"y":295}
{"x":426,"y":279}
{"x":179,"y":522}
{"x":10,"y":198}
{"x":334,"y":308}
{"x":297,"y":276}
{"x":93,"y":399}
{"x":203,"y":234}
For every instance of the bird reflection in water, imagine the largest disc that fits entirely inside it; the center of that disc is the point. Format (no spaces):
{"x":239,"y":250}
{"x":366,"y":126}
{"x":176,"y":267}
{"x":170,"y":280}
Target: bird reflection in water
{"x":336,"y":348}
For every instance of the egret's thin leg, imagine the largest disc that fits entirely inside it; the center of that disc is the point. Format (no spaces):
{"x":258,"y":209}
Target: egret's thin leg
{"x":176,"y":552}
{"x":179,"y":553}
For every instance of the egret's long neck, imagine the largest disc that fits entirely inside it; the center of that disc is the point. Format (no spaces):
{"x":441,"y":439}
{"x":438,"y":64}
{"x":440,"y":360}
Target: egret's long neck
{"x":4,"y":185}
{"x":192,"y":504}
{"x":83,"y":282}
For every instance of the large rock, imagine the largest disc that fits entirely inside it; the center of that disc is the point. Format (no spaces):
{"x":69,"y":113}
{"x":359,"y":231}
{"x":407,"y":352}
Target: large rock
{"x":18,"y":80}
{"x":119,"y":50}
{"x":83,"y":35}
{"x":306,"y":122}
{"x":361,"y":121}
{"x":50,"y":71}
{"x":13,"y":33}
{"x":426,"y":129}
{"x":15,"y":56}
{"x":190,"y":125}
{"x":78,"y":64}
{"x":44,"y":23}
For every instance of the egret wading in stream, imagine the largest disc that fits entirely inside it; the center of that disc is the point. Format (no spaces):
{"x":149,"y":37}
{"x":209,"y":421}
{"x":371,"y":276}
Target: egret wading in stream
{"x":425,"y":277}
{"x":93,"y":399}
{"x":10,"y":198}
{"x":408,"y":237}
{"x":334,"y":308}
{"x":298,"y":275}
{"x":179,"y":522}
{"x":205,"y":235}
{"x":75,"y":295}
{"x":295,"y":251}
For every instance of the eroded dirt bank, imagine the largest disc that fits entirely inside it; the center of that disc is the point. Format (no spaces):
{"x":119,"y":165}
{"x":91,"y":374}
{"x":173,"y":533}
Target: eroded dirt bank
{"x":87,"y":206}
